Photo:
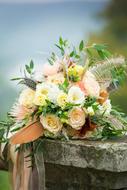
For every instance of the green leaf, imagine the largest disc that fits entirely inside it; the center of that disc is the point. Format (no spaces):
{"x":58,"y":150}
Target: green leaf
{"x":28,"y":69}
{"x":50,"y":61}
{"x":99,"y":46}
{"x":58,"y":46}
{"x":101,"y":54}
{"x":81,"y":45}
{"x":101,"y":50}
{"x":106,"y":53}
{"x":17,"y":78}
{"x":64,"y":85}
{"x":61,"y":48}
{"x":89,"y":52}
{"x":65,"y":42}
{"x":16,"y":129}
{"x":72,"y":54}
{"x":31,"y":64}
{"x":77,"y":56}
{"x":74,"y":78}
{"x":53,"y":57}
{"x":61,"y":41}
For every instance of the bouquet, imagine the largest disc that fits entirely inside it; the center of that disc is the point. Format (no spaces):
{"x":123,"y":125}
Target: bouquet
{"x":68,"y":98}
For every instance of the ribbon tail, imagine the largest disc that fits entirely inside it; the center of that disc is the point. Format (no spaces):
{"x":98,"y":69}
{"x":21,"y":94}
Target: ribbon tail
{"x":39,"y":161}
{"x":20,"y":170}
{"x":26,"y":174}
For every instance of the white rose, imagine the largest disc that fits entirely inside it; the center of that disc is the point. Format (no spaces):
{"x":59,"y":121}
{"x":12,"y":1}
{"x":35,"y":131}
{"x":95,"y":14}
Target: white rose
{"x":26,"y":97}
{"x":76,"y":118}
{"x":54,"y":91}
{"x":49,"y":90}
{"x":51,"y":123}
{"x":75,"y":95}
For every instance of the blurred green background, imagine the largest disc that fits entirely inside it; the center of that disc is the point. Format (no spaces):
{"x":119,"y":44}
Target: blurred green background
{"x":29,"y":28}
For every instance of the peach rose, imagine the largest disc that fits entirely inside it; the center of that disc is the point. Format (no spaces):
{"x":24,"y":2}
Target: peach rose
{"x":91,"y":85}
{"x":80,"y":84}
{"x":76,"y":118}
{"x":49,"y":70}
{"x":56,"y":79}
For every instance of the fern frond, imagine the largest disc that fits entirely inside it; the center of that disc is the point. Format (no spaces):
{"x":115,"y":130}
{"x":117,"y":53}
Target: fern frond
{"x":104,"y":72}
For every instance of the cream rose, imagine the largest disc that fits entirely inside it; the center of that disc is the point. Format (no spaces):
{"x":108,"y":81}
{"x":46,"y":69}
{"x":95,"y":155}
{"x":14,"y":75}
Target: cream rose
{"x":51,"y":123}
{"x":39,"y":99}
{"x":26,"y":97}
{"x":91,"y":85}
{"x":77,"y":118}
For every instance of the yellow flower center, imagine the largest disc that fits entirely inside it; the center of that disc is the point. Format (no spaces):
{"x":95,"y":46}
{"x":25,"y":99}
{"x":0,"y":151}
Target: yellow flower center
{"x":75,"y":97}
{"x":76,"y":116}
{"x":62,"y":99}
{"x":51,"y":122}
{"x":44,"y":91}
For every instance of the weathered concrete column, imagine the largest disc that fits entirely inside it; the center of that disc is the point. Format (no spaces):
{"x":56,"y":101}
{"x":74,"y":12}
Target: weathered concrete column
{"x":85,"y":165}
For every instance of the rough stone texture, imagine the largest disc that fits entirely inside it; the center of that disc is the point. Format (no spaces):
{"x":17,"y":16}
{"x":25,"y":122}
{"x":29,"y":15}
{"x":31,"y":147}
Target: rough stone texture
{"x":71,"y":178}
{"x":86,"y":165}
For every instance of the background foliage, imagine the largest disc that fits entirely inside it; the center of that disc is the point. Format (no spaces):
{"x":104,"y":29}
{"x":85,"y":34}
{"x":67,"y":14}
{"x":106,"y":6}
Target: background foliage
{"x":114,"y":33}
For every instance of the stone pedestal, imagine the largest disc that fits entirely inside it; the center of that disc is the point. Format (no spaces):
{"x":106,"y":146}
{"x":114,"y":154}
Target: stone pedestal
{"x":85,"y":165}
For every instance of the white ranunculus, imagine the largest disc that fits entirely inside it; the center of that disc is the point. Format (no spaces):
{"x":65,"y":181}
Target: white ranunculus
{"x":77,"y":118}
{"x":62,"y":99}
{"x":75,"y":95}
{"x":43,"y":88}
{"x":51,"y":123}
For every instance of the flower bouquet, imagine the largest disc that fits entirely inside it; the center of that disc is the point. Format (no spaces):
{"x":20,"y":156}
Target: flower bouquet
{"x":68,"y":99}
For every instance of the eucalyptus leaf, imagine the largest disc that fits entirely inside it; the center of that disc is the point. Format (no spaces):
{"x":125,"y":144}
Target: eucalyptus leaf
{"x":31,"y":64}
{"x":81,"y":45}
{"x":28,"y":69}
{"x":61,"y":41}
